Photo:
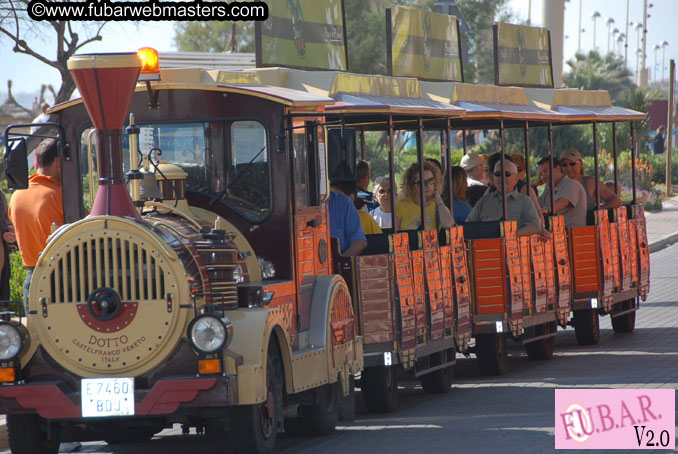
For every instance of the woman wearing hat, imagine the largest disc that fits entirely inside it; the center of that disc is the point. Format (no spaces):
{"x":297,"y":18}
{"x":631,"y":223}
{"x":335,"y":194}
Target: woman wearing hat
{"x":573,"y":166}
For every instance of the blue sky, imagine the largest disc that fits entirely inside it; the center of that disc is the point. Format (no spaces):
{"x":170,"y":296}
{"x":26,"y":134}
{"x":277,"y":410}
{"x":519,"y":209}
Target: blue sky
{"x":28,"y":74}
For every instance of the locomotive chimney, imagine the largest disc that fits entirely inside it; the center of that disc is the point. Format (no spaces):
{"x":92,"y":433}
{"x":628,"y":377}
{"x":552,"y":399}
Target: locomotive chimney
{"x":106,"y":83}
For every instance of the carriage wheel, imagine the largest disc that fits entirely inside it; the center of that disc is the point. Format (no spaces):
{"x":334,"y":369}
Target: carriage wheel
{"x":28,"y":435}
{"x":624,"y":323}
{"x":379,"y":386}
{"x":254,"y":428}
{"x":541,"y":349}
{"x":439,"y":381}
{"x":586,"y":326}
{"x":492,"y":354}
{"x":321,"y":417}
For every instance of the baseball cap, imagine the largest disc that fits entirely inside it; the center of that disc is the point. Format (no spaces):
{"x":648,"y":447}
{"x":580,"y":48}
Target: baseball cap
{"x":571,"y":154}
{"x":471,"y":161}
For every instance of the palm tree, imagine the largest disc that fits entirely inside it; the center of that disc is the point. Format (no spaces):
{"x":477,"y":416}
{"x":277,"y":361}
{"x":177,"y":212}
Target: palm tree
{"x":593,"y":72}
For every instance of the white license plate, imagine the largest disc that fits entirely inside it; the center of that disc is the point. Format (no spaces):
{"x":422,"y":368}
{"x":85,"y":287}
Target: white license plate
{"x":107,"y":397}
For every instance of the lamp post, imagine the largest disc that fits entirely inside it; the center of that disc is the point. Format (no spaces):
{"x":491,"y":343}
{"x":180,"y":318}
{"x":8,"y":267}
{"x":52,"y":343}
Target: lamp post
{"x":643,"y":75}
{"x":663,"y":44}
{"x":609,"y":21}
{"x":594,"y":15}
{"x":580,"y":29}
{"x":637,"y":26}
{"x":613,"y":33}
{"x":655,"y":48}
{"x":620,"y":39}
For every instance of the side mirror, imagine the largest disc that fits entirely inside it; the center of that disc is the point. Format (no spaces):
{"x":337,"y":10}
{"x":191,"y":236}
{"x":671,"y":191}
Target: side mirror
{"x":341,"y":154}
{"x":16,"y":163}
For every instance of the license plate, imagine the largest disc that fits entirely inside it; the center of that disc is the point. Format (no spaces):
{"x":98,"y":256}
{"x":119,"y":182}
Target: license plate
{"x":107,"y":397}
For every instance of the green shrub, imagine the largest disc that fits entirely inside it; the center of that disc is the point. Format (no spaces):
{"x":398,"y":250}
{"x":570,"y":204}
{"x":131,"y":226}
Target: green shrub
{"x":16,"y":282}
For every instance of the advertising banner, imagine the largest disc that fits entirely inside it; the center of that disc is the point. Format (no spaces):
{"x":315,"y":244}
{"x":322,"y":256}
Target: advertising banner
{"x":423,"y":45}
{"x":307,"y":34}
{"x":522,"y":56}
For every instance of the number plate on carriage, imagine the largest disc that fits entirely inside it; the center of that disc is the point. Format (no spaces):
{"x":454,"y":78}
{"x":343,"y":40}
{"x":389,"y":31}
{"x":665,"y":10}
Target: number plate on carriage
{"x":107,"y":397}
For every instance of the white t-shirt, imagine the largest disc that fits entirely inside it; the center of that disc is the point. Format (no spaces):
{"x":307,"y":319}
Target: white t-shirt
{"x":383,"y":219}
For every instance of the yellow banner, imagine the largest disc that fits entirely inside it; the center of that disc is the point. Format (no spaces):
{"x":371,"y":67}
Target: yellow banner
{"x":303,"y":34}
{"x":522,"y":56}
{"x":424,"y":45}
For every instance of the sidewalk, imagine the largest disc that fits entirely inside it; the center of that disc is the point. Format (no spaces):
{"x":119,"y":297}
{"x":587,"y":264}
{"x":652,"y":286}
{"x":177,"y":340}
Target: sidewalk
{"x":662,"y":226}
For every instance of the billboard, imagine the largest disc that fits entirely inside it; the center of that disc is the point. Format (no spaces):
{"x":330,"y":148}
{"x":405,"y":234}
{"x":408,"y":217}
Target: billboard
{"x":522,"y":56}
{"x":423,"y":45}
{"x":307,"y":34}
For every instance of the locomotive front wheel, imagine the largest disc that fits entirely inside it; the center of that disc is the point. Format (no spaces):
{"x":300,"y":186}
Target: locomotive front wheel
{"x":492,"y":354}
{"x":624,"y":323}
{"x":254,"y":428}
{"x":439,"y":381}
{"x":586,"y":326}
{"x":28,"y":435}
{"x":379,"y":386}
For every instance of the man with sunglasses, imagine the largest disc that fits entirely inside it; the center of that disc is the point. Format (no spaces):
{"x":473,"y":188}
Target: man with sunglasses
{"x":569,"y":195}
{"x":519,"y":207}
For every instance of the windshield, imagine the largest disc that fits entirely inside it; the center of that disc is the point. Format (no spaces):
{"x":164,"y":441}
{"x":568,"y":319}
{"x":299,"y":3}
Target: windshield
{"x":225,"y":159}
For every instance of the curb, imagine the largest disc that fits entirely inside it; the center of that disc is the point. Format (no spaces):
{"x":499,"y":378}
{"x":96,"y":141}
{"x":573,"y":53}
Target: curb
{"x":664,"y":242}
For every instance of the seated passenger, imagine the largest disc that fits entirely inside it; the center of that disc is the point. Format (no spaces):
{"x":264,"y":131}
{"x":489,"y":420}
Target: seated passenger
{"x":522,"y":186}
{"x":345,"y":223}
{"x":573,"y":166}
{"x":408,"y":210}
{"x":364,"y":200}
{"x":477,"y":179}
{"x":369,"y":225}
{"x":569,"y":195}
{"x":460,"y":208}
{"x":519,"y":207}
{"x":383,"y":213}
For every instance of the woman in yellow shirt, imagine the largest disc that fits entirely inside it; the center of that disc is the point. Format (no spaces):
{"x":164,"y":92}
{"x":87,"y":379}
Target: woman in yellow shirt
{"x":408,"y":209}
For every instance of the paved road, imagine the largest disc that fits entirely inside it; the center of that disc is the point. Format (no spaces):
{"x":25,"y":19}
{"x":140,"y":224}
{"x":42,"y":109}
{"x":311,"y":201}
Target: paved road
{"x":509,"y":414}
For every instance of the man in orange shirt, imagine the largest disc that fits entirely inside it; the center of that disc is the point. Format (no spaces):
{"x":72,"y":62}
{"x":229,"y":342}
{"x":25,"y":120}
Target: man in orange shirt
{"x":33,"y":210}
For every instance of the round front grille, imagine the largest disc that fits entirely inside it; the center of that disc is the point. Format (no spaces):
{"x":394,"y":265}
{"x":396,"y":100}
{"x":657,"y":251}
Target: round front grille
{"x":105,"y":298}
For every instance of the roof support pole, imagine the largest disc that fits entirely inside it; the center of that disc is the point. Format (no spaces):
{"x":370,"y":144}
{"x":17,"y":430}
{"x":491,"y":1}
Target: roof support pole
{"x":633,"y":161}
{"x":503,"y":175}
{"x":614,"y":156}
{"x":595,"y":164}
{"x":448,"y":166}
{"x":527,"y":155}
{"x":391,"y":172}
{"x":551,"y":188}
{"x":422,"y":184}
{"x":363,"y":151}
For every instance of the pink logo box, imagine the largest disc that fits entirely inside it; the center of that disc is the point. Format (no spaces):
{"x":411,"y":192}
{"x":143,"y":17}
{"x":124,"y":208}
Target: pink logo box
{"x":615,"y":418}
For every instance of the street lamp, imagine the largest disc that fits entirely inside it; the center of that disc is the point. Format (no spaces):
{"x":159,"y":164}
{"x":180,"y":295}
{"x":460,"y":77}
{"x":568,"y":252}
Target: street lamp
{"x":655,"y":48}
{"x":594,"y":15}
{"x":609,"y":21}
{"x":663,"y":44}
{"x":637,"y":26}
{"x":620,"y":39}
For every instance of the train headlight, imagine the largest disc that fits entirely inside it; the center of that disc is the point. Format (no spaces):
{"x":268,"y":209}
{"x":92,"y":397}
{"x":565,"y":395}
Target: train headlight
{"x":11,"y":341}
{"x":208,"y":333}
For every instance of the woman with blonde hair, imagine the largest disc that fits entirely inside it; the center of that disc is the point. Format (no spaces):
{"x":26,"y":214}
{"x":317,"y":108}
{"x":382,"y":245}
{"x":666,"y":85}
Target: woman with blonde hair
{"x":408,"y":208}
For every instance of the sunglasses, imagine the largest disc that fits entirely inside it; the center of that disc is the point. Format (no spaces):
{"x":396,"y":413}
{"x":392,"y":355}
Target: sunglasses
{"x":383,"y":191}
{"x":571,"y":164}
{"x":520,"y":169}
{"x":429,"y":182}
{"x":506,"y":173}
